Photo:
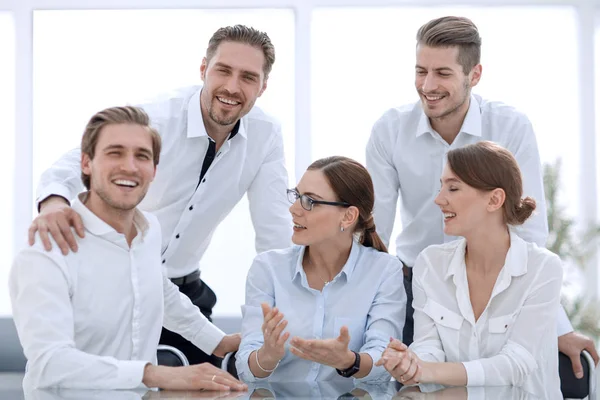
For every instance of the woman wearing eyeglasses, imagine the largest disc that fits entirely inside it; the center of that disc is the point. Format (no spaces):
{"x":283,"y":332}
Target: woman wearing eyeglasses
{"x":326,"y":307}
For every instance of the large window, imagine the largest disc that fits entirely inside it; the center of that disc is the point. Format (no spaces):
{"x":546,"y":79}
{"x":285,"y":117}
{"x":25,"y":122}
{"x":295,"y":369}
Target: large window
{"x":366,"y":65}
{"x":7,"y":150}
{"x":119,"y":57}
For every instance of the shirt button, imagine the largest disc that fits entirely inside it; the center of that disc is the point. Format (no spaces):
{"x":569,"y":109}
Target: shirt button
{"x":191,"y":208}
{"x":203,"y":180}
{"x":177,"y":236}
{"x":164,"y":261}
{"x":441,"y":318}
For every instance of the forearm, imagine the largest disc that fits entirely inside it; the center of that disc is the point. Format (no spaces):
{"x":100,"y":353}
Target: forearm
{"x":266,"y":364}
{"x":444,"y":373}
{"x":366,"y":365}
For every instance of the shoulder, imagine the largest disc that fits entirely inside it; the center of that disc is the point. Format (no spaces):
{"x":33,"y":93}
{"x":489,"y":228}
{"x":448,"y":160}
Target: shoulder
{"x":168,"y":104}
{"x":378,"y":260}
{"x":437,"y":257}
{"x":543,"y":260}
{"x":398,"y":115}
{"x":277,"y":261}
{"x":260,"y":122}
{"x":499,"y":112}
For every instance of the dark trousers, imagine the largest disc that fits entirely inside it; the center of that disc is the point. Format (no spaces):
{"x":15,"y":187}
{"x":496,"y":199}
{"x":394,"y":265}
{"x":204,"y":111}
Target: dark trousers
{"x":409,"y":323}
{"x":205,"y":299}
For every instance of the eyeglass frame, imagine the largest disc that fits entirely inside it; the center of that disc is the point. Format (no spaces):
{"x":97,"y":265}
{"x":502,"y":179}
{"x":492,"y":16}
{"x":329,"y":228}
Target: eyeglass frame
{"x":312,"y":201}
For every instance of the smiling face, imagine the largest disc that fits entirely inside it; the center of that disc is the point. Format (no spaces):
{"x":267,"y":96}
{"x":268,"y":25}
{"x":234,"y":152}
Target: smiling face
{"x":122,"y":168}
{"x":465,"y":208}
{"x":233,"y":80}
{"x":440,"y":80}
{"x":323,"y":222}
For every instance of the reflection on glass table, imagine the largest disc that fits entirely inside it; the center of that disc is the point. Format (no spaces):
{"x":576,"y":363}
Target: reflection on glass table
{"x":298,"y":390}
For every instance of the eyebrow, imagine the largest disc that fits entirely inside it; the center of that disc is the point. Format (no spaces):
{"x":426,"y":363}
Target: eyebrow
{"x":144,"y":150}
{"x":244,"y":71}
{"x":436,"y":69}
{"x":310,"y":194}
{"x":451,"y":180}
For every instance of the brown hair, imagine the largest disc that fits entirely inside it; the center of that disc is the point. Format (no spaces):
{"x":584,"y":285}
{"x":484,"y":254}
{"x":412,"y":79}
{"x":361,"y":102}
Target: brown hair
{"x":116,"y":115}
{"x":487,"y":166}
{"x":246,"y":35}
{"x":453,"y":31}
{"x":352,"y":184}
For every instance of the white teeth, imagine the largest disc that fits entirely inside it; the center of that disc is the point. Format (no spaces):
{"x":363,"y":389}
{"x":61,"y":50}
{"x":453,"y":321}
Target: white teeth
{"x":124,"y":182}
{"x":299,"y":226}
{"x":227,"y":101}
{"x":432,"y":98}
{"x":449,"y":215}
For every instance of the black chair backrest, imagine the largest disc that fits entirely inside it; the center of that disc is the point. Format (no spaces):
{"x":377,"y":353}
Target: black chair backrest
{"x":168,"y":358}
{"x":570,"y":386}
{"x":231,"y":365}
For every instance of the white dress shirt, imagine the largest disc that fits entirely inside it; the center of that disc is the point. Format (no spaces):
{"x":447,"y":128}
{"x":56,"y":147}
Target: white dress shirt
{"x":251,"y":162}
{"x":514,"y":340}
{"x":406,"y":157}
{"x":92,"y":319}
{"x":367,"y":296}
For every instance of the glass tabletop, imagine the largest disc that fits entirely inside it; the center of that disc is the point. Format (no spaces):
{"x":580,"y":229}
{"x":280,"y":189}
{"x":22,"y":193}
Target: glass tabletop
{"x":10,"y":389}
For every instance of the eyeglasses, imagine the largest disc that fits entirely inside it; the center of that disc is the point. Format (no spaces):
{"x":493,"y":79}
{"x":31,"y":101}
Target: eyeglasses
{"x":308,"y":202}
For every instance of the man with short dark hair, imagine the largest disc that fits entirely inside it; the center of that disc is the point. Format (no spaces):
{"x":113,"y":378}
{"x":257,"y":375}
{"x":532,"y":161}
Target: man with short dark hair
{"x":408,"y":144}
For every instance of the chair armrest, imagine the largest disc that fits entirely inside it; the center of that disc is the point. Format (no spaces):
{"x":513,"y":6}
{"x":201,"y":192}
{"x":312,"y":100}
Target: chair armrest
{"x":171,"y":356}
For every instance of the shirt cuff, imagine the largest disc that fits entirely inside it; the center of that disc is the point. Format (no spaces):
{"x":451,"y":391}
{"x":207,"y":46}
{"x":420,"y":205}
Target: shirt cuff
{"x":208,"y":338}
{"x":376,"y":374}
{"x":131,"y":374}
{"x":475,"y":373}
{"x":563,"y":325}
{"x":53,"y":189}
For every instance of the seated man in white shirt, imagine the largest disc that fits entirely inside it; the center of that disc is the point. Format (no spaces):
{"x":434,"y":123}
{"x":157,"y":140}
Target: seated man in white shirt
{"x":408,"y":145}
{"x":92,"y":319}
{"x":485,"y":305}
{"x":217,"y":147}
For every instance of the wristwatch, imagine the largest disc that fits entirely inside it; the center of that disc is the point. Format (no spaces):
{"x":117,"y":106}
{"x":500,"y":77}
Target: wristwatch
{"x":348,"y":372}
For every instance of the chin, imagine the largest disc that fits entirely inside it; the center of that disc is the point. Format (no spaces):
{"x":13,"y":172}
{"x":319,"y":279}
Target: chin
{"x":298,"y":240}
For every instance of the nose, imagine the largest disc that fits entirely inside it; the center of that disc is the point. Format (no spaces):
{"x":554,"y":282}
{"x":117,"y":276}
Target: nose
{"x":440,"y":200}
{"x":129,"y":163}
{"x":296,"y":209}
{"x":232,"y":84}
{"x":429,"y":83}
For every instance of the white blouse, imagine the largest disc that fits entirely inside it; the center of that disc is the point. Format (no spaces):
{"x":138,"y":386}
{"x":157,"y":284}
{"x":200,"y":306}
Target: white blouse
{"x":514,"y":340}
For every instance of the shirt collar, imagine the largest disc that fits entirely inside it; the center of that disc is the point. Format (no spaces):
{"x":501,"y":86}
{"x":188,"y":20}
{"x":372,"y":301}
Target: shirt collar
{"x":347,"y":270}
{"x":195,"y":122}
{"x":515,"y":263}
{"x":471,"y":125}
{"x":97,"y":227}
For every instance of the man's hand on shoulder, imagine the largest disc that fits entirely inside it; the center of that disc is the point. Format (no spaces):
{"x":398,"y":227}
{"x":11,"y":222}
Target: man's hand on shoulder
{"x":56,"y":219}
{"x":572,"y":344}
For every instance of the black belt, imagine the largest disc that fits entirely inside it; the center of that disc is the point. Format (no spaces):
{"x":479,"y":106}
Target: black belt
{"x":189,"y":278}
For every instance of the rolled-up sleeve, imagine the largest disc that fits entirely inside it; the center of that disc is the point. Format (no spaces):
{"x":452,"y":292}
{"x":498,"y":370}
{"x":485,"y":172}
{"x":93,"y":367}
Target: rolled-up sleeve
{"x":385,"y":319}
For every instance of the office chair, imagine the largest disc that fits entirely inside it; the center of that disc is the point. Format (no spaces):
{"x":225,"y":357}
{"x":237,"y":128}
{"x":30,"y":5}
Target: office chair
{"x":570,"y":386}
{"x":228,"y":364}
{"x":170,"y":356}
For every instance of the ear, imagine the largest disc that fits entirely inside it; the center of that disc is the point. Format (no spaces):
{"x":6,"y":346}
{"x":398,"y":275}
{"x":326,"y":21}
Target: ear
{"x":264,"y":87}
{"x":86,"y":168}
{"x":350,"y":217}
{"x":496,"y":199}
{"x":203,"y":67}
{"x":475,"y":75}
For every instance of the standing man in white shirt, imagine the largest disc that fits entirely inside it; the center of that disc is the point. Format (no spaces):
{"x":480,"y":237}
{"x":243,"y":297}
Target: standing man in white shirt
{"x":92,"y":319}
{"x":217,"y":146}
{"x":408,"y":145}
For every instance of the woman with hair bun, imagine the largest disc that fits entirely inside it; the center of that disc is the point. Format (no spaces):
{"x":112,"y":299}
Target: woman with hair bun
{"x":486,"y":304}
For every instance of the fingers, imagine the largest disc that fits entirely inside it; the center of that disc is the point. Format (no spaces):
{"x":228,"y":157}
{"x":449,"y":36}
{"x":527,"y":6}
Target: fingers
{"x":57,"y":234}
{"x":213,"y":386}
{"x":265,"y":309}
{"x":591,"y":348}
{"x":31,"y":233}
{"x":410,"y":371}
{"x":226,"y":379}
{"x":416,"y":379}
{"x":344,"y":335}
{"x":301,"y":354}
{"x":67,"y":233}
{"x":77,"y":222}
{"x":397,"y":345}
{"x":577,"y":367}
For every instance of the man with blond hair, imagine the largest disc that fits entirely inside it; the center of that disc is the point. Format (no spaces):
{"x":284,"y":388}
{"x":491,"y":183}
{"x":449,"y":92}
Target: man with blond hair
{"x":407,"y":148}
{"x":92,"y":319}
{"x":217,"y":147}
